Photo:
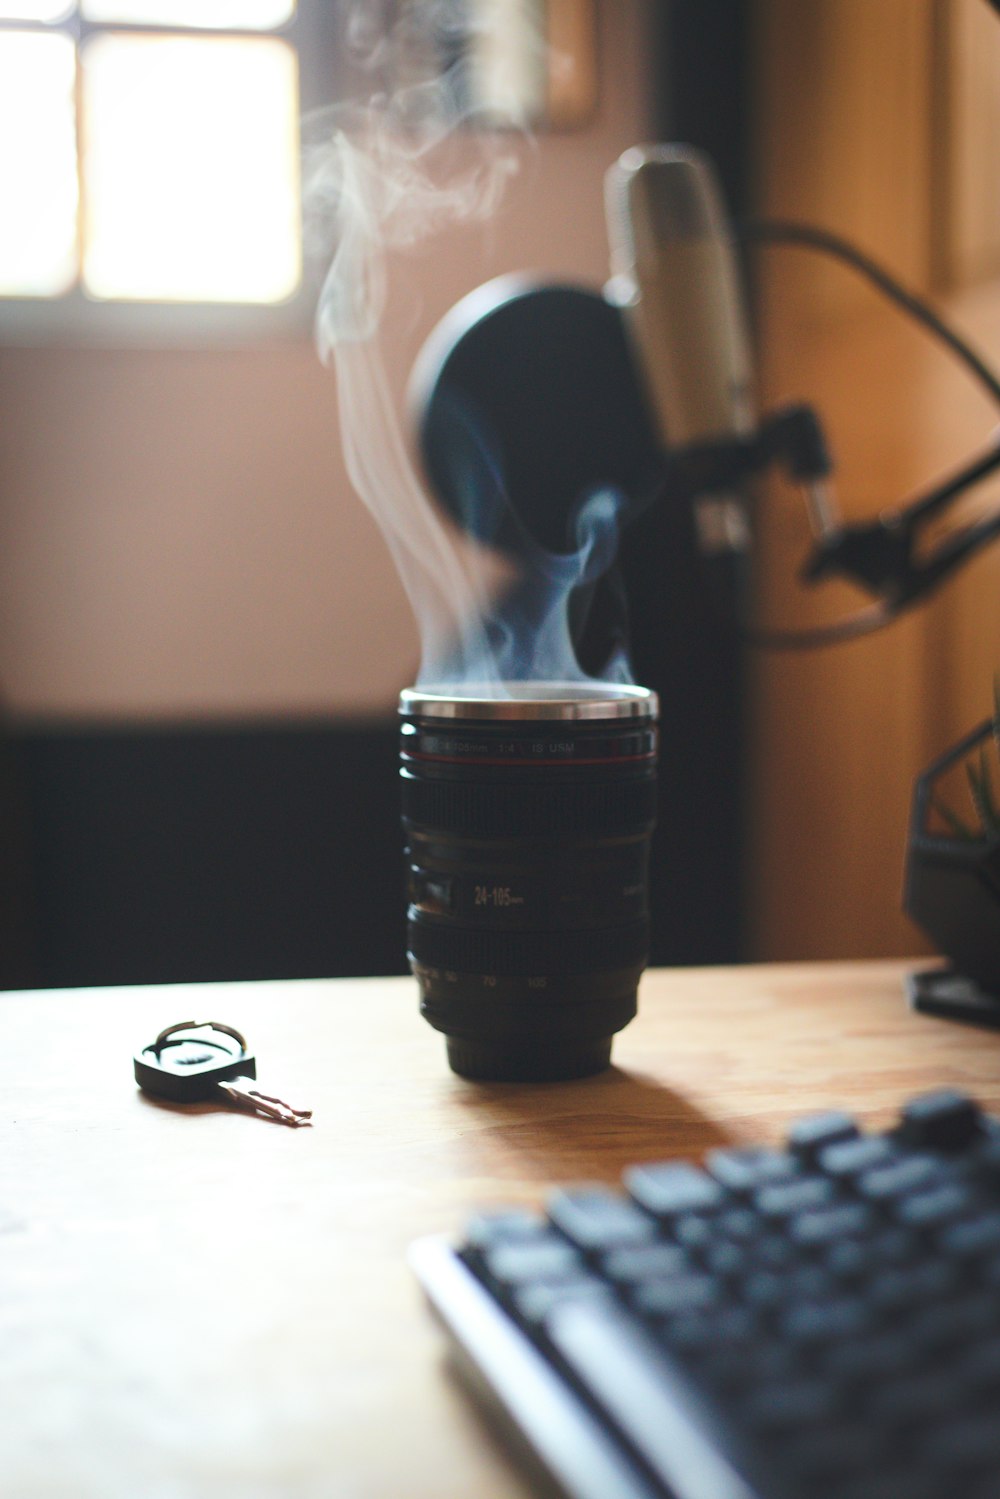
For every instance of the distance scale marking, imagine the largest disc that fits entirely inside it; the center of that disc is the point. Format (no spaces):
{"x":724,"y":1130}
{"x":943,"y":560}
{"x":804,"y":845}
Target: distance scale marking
{"x":557,"y":895}
{"x":507,"y":985}
{"x":487,"y":980}
{"x":500,"y":897}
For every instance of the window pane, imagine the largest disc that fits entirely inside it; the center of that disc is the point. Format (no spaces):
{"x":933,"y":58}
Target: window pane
{"x":38,"y":187}
{"x":508,"y":62}
{"x":237,"y":15}
{"x":34,"y":10}
{"x":190,"y":169}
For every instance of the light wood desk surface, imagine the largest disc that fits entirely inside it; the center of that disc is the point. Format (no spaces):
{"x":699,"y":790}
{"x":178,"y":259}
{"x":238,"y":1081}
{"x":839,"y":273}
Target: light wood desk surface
{"x":197,"y":1304}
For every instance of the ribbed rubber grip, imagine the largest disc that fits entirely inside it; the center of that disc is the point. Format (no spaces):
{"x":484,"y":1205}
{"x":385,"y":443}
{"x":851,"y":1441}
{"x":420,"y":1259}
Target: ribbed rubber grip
{"x":527,"y":953}
{"x":531,"y":809}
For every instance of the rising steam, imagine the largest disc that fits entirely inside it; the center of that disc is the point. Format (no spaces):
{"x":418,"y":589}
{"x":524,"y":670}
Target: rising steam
{"x":379,"y":178}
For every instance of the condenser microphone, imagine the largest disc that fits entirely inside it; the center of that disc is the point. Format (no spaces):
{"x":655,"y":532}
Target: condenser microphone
{"x":675,"y":277}
{"x":674,"y":273}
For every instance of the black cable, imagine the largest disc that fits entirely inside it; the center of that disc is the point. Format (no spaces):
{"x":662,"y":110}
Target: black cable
{"x":777,"y":231}
{"x":864,"y":622}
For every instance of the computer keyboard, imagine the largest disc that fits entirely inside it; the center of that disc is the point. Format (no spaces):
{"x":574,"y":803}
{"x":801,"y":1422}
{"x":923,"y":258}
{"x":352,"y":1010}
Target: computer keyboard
{"x":820,"y":1321}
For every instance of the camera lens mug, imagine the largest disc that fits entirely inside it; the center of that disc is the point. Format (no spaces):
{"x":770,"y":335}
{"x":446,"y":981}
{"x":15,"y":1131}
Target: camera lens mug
{"x":528,"y":819}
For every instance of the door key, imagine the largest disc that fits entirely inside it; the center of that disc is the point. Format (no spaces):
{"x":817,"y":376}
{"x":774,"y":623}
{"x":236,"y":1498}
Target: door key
{"x":196,"y":1060}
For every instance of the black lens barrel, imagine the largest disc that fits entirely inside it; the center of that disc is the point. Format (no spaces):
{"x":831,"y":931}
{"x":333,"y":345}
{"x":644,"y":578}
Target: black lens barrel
{"x":528,"y":819}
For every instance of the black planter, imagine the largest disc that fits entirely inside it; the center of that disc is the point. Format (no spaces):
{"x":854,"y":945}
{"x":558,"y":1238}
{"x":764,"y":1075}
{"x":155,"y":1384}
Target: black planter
{"x":952,"y":892}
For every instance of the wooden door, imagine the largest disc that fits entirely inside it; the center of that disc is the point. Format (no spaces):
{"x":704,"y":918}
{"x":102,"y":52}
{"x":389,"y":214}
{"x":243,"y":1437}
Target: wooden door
{"x":879,"y":119}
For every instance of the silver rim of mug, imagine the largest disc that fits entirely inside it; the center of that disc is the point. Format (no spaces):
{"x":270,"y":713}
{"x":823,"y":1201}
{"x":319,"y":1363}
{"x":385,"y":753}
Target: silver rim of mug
{"x":559,"y":701}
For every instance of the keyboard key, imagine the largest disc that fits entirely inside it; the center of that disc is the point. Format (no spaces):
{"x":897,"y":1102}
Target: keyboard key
{"x":534,"y":1302}
{"x":978,"y":1362}
{"x":986,"y":1159}
{"x":815,"y":1133}
{"x":940,"y":1205}
{"x":839,"y":1451}
{"x":748,"y":1168}
{"x":827,"y":1321}
{"x":785,"y":1405}
{"x":910,"y":1286}
{"x":957,"y":1321}
{"x":596,"y":1219}
{"x":970,"y":1442}
{"x":645,"y":1262}
{"x":764,"y":1288}
{"x":975,"y":1237}
{"x":759,"y":1363}
{"x":827,"y":1225}
{"x":773,"y":1252}
{"x":809,"y":1283}
{"x":893,"y":1246}
{"x":713,"y":1331}
{"x":946,"y":1120}
{"x":855,"y":1156}
{"x":694,"y":1230}
{"x":855,"y":1258}
{"x":672,"y":1187}
{"x":740,"y":1224}
{"x":486,"y":1230}
{"x":903,"y":1176}
{"x":724,"y":1258}
{"x":876,"y":1355}
{"x":914,"y":1399}
{"x":675,"y":1294}
{"x":795,"y":1197}
{"x":904,"y":1483}
{"x":981,"y":1488}
{"x":546,"y":1259}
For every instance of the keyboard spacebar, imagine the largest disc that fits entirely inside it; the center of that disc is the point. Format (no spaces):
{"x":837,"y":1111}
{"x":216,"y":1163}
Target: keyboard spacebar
{"x":619,"y":1368}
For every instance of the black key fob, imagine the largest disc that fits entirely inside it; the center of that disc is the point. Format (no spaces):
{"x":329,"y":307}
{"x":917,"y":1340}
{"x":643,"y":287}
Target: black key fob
{"x":189,"y":1060}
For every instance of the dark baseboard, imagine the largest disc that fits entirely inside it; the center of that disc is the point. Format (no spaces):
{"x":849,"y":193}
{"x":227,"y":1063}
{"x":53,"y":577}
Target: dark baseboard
{"x":177,"y":854}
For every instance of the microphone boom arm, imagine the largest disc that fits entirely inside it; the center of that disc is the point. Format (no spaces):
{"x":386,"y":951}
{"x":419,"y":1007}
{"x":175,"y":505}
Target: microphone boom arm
{"x":791,"y":436}
{"x":880,"y":555}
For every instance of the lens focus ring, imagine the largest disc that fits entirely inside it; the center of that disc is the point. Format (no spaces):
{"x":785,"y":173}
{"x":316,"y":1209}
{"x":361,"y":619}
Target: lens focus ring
{"x":500,"y":809}
{"x":528,"y":953}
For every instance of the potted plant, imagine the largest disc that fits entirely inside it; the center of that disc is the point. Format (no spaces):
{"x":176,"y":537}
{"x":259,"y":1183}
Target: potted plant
{"x":952,"y":888}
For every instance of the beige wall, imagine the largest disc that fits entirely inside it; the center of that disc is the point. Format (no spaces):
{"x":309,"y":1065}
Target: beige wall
{"x":177,"y":534}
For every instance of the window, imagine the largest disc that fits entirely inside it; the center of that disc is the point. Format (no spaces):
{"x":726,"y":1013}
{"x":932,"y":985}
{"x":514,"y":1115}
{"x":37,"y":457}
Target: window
{"x":149,"y":156}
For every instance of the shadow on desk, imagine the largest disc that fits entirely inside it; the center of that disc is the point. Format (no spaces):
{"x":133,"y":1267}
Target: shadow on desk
{"x":562,"y":1132}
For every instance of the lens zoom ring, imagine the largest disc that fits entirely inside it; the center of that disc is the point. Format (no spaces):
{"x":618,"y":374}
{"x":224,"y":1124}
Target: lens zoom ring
{"x":511,"y":810}
{"x":463,"y":950}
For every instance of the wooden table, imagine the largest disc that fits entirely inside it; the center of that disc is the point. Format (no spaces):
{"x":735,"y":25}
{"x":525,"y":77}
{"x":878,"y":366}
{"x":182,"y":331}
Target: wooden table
{"x":197,"y":1304}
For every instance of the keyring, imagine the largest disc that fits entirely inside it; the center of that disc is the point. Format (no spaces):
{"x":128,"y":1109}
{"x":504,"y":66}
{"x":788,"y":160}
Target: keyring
{"x":199,"y":1025}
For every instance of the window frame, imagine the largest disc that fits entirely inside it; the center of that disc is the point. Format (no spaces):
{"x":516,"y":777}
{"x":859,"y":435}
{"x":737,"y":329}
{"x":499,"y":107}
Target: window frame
{"x":74,"y":318}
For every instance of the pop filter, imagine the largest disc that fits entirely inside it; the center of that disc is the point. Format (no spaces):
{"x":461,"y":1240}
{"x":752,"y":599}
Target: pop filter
{"x":526,"y":404}
{"x":536,"y":383}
